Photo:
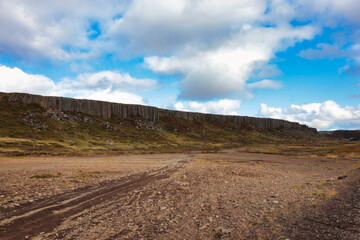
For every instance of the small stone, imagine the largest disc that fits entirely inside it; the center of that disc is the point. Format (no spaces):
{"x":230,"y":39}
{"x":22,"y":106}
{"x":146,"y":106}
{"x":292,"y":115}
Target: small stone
{"x":2,"y":196}
{"x":226,"y":231}
{"x":31,"y":200}
{"x":134,"y":228}
{"x":276,"y":202}
{"x":202,"y":227}
{"x":162,"y":208}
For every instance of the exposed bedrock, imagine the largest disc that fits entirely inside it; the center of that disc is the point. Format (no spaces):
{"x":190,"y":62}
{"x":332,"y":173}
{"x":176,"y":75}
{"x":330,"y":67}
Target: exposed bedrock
{"x":107,"y":109}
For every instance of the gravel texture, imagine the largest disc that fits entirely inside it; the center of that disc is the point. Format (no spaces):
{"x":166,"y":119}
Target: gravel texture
{"x":227,"y":195}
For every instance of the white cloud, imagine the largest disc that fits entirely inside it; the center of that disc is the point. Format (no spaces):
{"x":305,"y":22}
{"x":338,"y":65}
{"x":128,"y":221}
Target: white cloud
{"x":54,"y":30}
{"x":163,"y":26}
{"x":105,"y":85}
{"x":324,"y":115}
{"x":216,"y":46}
{"x":109,"y":95}
{"x":15,"y":80}
{"x":224,"y":70}
{"x":222,"y":106}
{"x":109,"y":80}
{"x":180,"y":107}
{"x":266,"y":83}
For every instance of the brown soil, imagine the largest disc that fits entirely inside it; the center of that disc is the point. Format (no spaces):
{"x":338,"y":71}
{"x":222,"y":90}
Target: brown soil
{"x":228,"y":195}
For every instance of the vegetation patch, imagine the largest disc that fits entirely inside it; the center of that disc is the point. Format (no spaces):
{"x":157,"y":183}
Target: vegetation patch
{"x":46,"y":175}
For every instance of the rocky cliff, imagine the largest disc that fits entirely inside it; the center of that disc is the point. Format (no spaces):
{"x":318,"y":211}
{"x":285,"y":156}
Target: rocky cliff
{"x":107,"y":109}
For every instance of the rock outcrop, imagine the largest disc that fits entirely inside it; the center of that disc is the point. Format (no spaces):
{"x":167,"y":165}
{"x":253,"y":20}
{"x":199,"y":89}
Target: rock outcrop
{"x":108,"y":109}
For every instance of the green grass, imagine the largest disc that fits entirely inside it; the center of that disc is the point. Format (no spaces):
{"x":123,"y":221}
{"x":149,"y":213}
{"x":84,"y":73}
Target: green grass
{"x":46,"y":175}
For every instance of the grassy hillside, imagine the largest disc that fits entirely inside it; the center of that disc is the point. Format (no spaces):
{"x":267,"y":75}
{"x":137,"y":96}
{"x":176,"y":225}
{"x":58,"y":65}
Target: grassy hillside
{"x":33,"y":130}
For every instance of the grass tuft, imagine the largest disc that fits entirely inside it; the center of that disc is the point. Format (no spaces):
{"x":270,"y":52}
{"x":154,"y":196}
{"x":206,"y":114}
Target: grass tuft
{"x":46,"y":175}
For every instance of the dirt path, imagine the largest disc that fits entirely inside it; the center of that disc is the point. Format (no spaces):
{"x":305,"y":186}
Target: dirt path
{"x":46,"y":215}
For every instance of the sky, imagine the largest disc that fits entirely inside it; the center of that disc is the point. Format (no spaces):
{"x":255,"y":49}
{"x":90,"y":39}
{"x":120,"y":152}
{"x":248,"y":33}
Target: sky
{"x":297,"y":60}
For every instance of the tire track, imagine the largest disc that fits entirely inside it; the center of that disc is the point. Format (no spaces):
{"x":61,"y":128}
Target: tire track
{"x":47,"y":215}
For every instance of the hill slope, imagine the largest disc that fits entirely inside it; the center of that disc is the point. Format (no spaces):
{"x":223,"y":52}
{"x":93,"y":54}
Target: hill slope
{"x":31,"y":129}
{"x":347,"y":134}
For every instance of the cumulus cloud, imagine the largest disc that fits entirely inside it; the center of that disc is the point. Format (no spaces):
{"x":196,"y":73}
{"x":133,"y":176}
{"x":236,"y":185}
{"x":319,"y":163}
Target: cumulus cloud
{"x":15,"y":80}
{"x":222,"y":106}
{"x":54,"y":30}
{"x":104,"y":85}
{"x":109,"y":95}
{"x":224,"y":70}
{"x":109,"y":80}
{"x":216,"y":46}
{"x":175,"y":23}
{"x":326,"y":115}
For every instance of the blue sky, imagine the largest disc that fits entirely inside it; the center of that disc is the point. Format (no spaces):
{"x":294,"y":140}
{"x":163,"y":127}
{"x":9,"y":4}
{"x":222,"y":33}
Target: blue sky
{"x":294,"y":60}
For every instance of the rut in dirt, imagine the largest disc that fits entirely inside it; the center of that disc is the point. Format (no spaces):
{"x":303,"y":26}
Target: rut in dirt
{"x":46,"y":215}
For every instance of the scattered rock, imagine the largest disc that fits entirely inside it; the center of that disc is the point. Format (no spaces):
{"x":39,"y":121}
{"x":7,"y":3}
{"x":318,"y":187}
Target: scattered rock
{"x":226,"y":231}
{"x":202,"y":227}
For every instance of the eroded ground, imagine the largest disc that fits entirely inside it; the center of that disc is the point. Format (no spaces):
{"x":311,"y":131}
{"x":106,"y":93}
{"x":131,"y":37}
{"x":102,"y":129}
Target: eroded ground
{"x":228,"y":195}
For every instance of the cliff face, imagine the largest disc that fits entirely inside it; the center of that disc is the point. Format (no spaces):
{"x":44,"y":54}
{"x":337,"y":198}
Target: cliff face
{"x":107,"y":109}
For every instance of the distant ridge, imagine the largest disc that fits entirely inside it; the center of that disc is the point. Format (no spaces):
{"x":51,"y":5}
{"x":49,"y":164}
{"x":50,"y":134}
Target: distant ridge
{"x":349,"y":134}
{"x":108,"y":109}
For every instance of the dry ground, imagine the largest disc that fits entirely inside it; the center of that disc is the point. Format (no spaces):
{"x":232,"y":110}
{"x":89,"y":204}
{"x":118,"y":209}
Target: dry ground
{"x":229,"y":195}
